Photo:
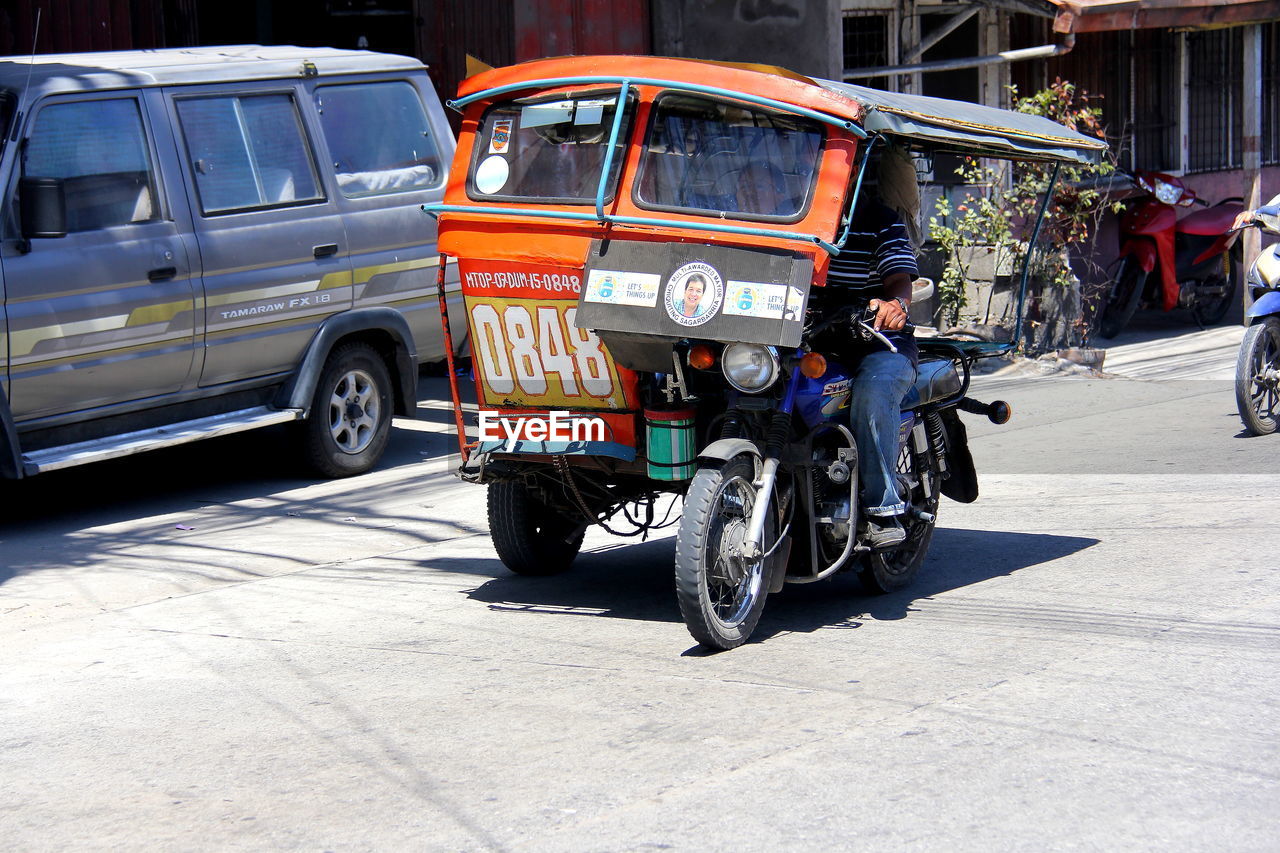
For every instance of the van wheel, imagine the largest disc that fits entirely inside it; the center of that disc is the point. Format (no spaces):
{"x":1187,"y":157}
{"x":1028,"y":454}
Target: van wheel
{"x":350,"y":418}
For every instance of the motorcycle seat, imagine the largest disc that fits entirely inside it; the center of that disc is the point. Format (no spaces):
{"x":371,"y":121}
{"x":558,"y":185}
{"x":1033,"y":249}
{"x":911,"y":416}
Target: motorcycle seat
{"x":936,"y":380}
{"x":1210,"y":222}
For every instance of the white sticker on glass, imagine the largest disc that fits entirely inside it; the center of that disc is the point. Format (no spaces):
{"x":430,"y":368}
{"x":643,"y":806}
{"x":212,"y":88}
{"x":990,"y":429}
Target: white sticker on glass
{"x":492,"y":174}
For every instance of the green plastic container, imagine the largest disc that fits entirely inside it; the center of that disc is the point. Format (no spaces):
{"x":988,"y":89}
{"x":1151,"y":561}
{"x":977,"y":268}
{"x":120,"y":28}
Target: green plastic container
{"x":669,"y":439}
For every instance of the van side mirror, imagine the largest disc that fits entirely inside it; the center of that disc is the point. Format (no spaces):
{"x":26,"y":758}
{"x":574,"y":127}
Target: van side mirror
{"x":43,"y":207}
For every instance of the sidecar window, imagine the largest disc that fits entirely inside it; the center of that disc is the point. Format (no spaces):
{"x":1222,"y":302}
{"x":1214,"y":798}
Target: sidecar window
{"x":550,"y":150}
{"x":706,"y":156}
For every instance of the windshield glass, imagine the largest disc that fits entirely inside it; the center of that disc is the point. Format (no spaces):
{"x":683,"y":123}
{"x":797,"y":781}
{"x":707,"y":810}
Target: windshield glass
{"x":713,"y":157}
{"x":548,"y":151}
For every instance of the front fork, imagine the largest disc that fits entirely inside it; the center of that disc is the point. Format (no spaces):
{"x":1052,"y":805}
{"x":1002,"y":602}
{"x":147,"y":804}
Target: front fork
{"x":779,"y":433}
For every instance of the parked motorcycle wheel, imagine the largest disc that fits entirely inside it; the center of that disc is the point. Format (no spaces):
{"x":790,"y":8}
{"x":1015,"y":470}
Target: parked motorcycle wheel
{"x":886,"y":571}
{"x":530,"y":537}
{"x":1125,"y":293}
{"x":1210,"y":310}
{"x":721,"y":595}
{"x":1258,"y":377}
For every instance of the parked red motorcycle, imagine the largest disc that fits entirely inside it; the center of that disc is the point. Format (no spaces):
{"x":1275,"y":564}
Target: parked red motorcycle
{"x":1195,"y":260}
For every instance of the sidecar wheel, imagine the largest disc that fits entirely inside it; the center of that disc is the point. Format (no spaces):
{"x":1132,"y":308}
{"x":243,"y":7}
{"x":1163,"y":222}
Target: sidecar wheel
{"x":1258,"y":377}
{"x":530,"y":537}
{"x":721,"y":595}
{"x":886,"y":571}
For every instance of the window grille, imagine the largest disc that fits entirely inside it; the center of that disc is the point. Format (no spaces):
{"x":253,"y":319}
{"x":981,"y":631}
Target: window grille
{"x":1131,"y":76}
{"x":1270,"y":94}
{"x":1152,"y":126}
{"x":1215,"y":75}
{"x":866,"y":45}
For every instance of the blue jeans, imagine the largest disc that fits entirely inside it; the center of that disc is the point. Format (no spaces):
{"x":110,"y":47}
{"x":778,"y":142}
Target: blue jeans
{"x":875,"y":412}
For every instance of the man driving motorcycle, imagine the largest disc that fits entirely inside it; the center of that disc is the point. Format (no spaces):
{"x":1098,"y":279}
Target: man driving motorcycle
{"x":876,"y":265}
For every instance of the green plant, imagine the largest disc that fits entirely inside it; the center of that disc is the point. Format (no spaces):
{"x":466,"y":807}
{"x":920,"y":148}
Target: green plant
{"x":1002,"y":201}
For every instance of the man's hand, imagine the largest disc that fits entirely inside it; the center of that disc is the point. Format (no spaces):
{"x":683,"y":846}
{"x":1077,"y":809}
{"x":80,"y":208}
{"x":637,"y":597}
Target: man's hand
{"x":1245,"y":218}
{"x":890,"y":315}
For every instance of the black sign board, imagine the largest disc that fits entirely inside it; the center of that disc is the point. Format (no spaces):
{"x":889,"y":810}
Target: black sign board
{"x":689,"y":290}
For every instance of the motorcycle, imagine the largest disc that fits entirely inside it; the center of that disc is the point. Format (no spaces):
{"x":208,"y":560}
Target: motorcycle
{"x":1258,"y":365}
{"x":638,"y":238}
{"x":1194,"y":258}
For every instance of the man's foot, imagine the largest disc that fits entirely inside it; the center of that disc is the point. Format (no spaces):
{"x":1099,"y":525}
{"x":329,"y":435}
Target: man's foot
{"x":884,"y":531}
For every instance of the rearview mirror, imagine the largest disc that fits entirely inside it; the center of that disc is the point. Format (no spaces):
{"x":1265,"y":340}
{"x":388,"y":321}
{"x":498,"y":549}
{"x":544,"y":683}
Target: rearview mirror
{"x":43,"y":207}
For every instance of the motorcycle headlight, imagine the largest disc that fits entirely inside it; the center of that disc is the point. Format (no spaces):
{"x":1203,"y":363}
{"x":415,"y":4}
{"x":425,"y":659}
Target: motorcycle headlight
{"x":1167,"y":192}
{"x":750,"y":368}
{"x":1253,"y":278}
{"x":1265,"y":271}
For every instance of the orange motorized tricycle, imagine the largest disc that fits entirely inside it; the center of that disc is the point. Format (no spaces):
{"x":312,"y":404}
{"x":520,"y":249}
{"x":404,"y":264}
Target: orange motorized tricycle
{"x":638,"y":241}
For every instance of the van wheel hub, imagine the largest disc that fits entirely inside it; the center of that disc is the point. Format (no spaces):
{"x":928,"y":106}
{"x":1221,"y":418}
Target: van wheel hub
{"x":352,"y":424}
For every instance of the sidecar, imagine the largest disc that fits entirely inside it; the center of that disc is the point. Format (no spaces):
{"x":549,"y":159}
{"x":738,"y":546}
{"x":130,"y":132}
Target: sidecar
{"x":629,"y":228}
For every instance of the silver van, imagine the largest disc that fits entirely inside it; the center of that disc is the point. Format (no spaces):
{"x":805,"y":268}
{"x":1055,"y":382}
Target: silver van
{"x":202,"y":241}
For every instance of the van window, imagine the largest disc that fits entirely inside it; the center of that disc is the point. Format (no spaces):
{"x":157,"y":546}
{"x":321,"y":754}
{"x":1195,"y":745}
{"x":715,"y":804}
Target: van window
{"x":248,"y":152}
{"x":379,"y":138}
{"x":99,"y":150}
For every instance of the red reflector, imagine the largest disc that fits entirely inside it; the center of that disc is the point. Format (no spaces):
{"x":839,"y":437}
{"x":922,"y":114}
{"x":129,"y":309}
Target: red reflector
{"x":702,"y":357}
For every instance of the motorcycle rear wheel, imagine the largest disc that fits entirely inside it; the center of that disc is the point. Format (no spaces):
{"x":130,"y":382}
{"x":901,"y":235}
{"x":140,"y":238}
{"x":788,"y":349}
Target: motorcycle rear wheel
{"x":1258,"y":377}
{"x":1211,"y":310}
{"x":893,"y":569}
{"x":530,"y":537}
{"x":1122,"y":302}
{"x":721,"y":595}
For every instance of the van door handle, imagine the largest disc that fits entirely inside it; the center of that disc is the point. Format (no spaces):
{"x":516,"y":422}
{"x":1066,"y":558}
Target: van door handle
{"x":162,"y":273}
{"x":326,"y":250}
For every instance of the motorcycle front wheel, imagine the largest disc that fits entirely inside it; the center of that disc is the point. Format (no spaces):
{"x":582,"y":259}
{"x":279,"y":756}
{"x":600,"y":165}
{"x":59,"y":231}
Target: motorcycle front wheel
{"x":1258,"y":377}
{"x":1122,"y":302}
{"x":721,"y":594}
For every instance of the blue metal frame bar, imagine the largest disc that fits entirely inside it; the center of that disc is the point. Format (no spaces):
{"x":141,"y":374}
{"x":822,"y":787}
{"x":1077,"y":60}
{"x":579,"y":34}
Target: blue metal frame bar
{"x":438,"y":208}
{"x":1031,"y":247}
{"x":857,"y":188}
{"x":619,"y":107}
{"x":782,"y":106}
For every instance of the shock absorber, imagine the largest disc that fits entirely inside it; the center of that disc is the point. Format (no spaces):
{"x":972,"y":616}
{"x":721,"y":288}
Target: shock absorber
{"x":937,"y":441}
{"x":779,"y":433}
{"x":731,"y":427}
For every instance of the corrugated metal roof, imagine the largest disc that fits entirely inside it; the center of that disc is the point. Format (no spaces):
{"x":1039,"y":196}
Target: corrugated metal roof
{"x":1083,"y":16}
{"x":131,"y":68}
{"x":966,"y":127}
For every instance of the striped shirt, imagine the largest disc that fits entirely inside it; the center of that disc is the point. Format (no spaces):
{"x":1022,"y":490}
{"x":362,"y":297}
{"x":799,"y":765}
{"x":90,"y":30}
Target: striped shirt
{"x":878,"y":246}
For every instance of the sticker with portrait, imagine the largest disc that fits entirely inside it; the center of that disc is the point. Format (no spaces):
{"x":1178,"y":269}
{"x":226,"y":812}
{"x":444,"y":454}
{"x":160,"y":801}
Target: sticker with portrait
{"x":693,"y":294}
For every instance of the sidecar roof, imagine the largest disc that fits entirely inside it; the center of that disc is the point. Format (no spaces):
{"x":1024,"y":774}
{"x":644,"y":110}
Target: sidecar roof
{"x":931,"y":123}
{"x":969,"y":128}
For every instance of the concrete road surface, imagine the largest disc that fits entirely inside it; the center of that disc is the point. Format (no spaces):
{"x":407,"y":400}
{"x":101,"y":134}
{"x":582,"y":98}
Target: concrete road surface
{"x":201,"y":650}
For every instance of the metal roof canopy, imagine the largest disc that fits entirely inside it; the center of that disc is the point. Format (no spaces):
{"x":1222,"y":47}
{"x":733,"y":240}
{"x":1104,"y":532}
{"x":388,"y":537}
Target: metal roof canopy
{"x":960,"y":126}
{"x":177,"y":66}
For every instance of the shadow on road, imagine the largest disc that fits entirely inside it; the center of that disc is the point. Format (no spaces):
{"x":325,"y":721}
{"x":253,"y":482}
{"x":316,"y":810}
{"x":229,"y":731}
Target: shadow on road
{"x":113,"y":508}
{"x":957,"y":558}
{"x":635,"y":582}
